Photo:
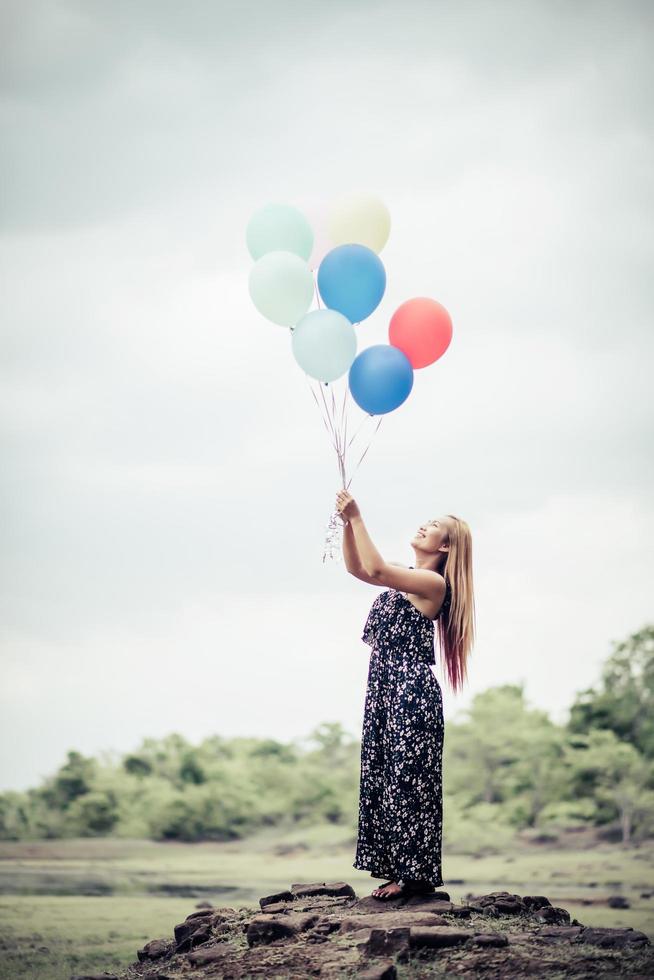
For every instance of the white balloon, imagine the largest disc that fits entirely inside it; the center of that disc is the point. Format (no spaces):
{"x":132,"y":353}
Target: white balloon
{"x":359,"y":219}
{"x":324,"y":344}
{"x":281,"y":287}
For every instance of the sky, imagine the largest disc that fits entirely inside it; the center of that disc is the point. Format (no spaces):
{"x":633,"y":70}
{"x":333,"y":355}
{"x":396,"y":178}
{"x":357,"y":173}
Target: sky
{"x":166,"y":474}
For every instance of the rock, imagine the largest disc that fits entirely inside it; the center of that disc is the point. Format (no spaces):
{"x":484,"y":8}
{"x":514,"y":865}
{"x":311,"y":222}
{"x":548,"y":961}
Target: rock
{"x":489,"y":939}
{"x":264,"y":929}
{"x":380,"y":971}
{"x":559,"y":933}
{"x":203,"y":905}
{"x":462,"y":911}
{"x":488,"y":898}
{"x":521,"y":938}
{"x":337,"y":889}
{"x":552,"y":915}
{"x":184,"y":930}
{"x":211,"y":956}
{"x":276,"y":908}
{"x":197,"y":938}
{"x":389,"y":920}
{"x":94,"y":976}
{"x":321,"y":930}
{"x":618,"y":902}
{"x":533,"y":902}
{"x":154,"y":950}
{"x":280,"y":897}
{"x":198,"y":916}
{"x":436,"y":937}
{"x":613,"y":938}
{"x":389,"y":942}
{"x":327,"y":926}
{"x":426,"y":903}
{"x":508,"y":906}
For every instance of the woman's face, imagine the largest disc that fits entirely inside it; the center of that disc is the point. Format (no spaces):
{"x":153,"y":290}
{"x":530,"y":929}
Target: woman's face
{"x":430,"y":535}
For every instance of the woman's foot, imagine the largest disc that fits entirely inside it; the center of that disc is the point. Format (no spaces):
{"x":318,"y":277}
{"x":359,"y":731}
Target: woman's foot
{"x":390,"y":890}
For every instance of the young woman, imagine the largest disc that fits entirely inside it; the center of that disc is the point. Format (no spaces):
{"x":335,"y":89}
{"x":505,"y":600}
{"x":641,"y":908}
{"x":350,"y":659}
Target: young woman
{"x":401,"y":788}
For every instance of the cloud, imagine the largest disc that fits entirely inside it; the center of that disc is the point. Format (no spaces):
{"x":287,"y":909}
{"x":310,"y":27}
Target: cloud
{"x":167,"y":477}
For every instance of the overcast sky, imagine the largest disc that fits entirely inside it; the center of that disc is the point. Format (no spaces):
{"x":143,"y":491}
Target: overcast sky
{"x":166,"y":474}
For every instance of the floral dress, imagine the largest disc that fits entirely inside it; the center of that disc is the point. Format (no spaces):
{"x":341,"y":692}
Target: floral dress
{"x":401,"y":786}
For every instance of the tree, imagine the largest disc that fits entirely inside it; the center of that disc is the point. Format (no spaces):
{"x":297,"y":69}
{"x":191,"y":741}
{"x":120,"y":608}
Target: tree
{"x":617,"y":775}
{"x":624,"y":700}
{"x":483,"y":751}
{"x":74,"y":779}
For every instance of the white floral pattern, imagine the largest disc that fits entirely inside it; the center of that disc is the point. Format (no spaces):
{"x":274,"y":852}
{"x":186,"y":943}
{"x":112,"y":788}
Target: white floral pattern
{"x":401,"y":787}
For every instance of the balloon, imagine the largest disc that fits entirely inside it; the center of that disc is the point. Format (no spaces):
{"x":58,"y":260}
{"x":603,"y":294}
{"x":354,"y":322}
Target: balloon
{"x":352,"y":280}
{"x":422,"y":329}
{"x":281,"y":286}
{"x":316,"y":212}
{"x":361,"y":218}
{"x":324,"y":344}
{"x":380,"y":379}
{"x":279,"y":227}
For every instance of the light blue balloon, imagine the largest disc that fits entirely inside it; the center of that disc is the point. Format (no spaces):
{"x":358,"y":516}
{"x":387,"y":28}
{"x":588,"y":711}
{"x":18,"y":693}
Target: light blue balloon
{"x":279,"y":228}
{"x":380,"y":379}
{"x":324,"y":344}
{"x":281,"y":287}
{"x":352,"y":280}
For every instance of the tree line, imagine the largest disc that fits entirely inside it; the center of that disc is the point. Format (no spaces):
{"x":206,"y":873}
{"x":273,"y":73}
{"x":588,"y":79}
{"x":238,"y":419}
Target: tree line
{"x":507,"y":767}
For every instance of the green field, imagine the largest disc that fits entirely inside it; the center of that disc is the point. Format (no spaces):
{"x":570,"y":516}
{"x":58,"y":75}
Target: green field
{"x":87,"y":905}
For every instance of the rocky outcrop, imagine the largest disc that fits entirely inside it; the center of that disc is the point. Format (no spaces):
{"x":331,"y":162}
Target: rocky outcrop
{"x":321,"y":929}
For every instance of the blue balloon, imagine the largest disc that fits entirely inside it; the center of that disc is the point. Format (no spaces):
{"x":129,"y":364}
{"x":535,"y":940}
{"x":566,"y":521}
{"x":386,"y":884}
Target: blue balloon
{"x":380,"y":378}
{"x":352,"y":280}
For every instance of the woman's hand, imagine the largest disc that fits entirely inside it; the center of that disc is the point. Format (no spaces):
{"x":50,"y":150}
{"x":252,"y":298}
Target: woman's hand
{"x":347,"y":506}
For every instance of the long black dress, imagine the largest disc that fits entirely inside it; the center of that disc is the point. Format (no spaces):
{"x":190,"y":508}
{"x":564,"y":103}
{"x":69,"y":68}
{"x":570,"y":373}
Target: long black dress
{"x":401,"y":788}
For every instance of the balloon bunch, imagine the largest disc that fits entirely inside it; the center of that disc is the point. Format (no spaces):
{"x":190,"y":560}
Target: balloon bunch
{"x":341,"y":245}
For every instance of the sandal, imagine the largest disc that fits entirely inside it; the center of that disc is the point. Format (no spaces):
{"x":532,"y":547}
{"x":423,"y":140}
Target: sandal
{"x":417,"y":888}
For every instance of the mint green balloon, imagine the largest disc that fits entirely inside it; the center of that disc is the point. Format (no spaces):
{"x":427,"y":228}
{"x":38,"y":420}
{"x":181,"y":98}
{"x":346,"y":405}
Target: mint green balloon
{"x":281,"y":287}
{"x":324,"y":344}
{"x":279,"y":227}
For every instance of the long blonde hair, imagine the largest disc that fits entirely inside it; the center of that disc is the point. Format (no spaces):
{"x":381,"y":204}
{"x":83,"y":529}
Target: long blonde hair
{"x":457,"y":626}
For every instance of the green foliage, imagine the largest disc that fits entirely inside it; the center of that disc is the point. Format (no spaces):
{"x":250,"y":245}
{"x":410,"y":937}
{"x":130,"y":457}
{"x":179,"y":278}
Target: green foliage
{"x":624,"y":700}
{"x":507,"y":767}
{"x":94,"y":814}
{"x":617,"y":776}
{"x":505,"y":751}
{"x":74,"y":779}
{"x":136,"y":765}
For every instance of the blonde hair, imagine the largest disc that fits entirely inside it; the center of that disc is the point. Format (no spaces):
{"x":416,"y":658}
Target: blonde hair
{"x":457,"y":626}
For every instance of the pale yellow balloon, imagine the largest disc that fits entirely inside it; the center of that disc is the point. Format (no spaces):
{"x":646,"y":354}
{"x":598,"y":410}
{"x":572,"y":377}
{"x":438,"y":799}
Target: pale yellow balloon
{"x":359,"y":219}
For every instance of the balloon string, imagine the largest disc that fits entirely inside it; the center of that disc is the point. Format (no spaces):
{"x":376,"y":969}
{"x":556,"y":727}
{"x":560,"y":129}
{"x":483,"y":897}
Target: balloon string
{"x":337,"y":429}
{"x":358,"y":430}
{"x":324,"y":422}
{"x":331,"y":424}
{"x":325,"y":418}
{"x":381,"y":417}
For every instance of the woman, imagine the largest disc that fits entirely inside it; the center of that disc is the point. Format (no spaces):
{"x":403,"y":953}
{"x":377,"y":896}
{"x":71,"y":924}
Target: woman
{"x":401,"y":788}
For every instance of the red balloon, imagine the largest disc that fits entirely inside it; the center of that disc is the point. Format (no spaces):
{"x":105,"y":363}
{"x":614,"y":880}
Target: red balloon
{"x":422,"y":329}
